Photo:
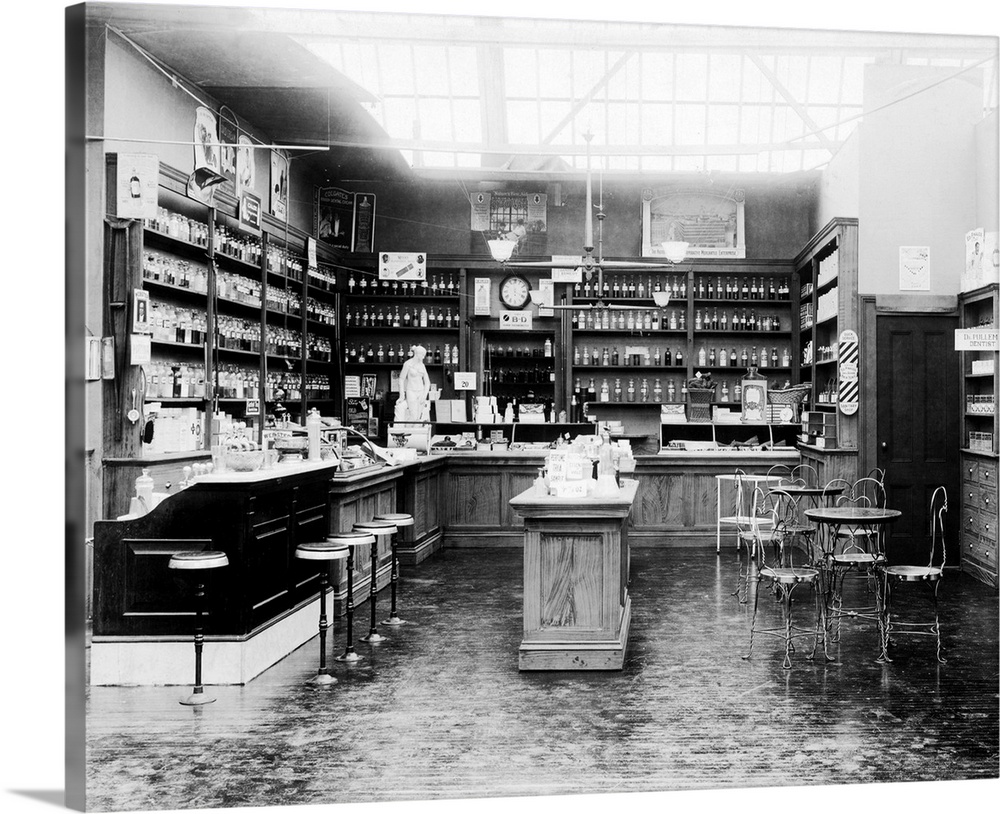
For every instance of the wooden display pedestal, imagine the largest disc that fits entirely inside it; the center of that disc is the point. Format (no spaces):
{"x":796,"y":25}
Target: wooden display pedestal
{"x":576,"y":560}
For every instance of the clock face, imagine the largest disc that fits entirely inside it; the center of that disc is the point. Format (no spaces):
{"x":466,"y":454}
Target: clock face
{"x":515,"y":291}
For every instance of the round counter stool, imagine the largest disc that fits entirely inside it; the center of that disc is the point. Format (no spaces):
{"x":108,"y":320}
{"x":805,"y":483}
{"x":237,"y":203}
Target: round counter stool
{"x":194,"y":564}
{"x":379,"y":528}
{"x":401,"y":520}
{"x":324,"y":552}
{"x":351,"y":539}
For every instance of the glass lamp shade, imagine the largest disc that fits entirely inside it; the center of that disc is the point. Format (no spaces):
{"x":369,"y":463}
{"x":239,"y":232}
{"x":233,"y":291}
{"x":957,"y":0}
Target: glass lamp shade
{"x":675,"y":250}
{"x":661,"y":298}
{"x":502,"y":249}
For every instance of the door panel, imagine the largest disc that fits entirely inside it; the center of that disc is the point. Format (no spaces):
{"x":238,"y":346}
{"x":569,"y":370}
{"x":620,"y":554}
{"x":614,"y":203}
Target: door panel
{"x":918,"y":425}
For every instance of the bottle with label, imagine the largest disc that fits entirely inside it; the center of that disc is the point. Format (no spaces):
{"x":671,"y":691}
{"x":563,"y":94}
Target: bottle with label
{"x":630,"y":392}
{"x":548,"y":348}
{"x":671,"y":391}
{"x":618,"y":390}
{"x":725,"y":392}
{"x":657,"y":391}
{"x":702,"y":358}
{"x":605,"y":391}
{"x":644,"y":391}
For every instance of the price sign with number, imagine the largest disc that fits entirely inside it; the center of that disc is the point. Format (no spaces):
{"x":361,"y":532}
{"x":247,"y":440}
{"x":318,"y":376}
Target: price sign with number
{"x":465,"y":381}
{"x":516,"y":320}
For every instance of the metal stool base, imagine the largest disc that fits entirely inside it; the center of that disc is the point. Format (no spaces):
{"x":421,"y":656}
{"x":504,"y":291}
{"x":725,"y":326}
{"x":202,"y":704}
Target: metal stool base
{"x":374,"y":638}
{"x":322,"y":680}
{"x":394,"y":621}
{"x":197,"y":700}
{"x":350,"y":658}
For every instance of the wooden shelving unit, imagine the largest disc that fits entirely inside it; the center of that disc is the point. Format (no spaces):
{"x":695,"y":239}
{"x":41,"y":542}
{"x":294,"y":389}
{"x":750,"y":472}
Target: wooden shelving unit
{"x":980,"y":438}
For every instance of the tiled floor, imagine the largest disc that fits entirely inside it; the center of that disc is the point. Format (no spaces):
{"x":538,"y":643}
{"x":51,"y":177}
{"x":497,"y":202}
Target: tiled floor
{"x":441,"y":710}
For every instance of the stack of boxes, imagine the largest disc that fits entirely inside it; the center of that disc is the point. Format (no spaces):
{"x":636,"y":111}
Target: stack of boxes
{"x":176,"y":429}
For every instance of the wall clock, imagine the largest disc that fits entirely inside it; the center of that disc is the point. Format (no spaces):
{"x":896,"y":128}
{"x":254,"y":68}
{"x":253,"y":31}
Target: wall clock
{"x":515,"y":291}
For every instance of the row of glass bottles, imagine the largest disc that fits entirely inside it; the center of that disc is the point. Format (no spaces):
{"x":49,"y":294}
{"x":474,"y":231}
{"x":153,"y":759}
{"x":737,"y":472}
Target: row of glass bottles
{"x":238,"y":334}
{"x":401,"y":318}
{"x":709,"y":358}
{"x":711,"y":288}
{"x":282,"y":261}
{"x":706,"y":287}
{"x":282,"y":342}
{"x":286,"y":302}
{"x":291,"y":385}
{"x":629,"y":287}
{"x":645,"y":320}
{"x":388,"y":354}
{"x":739,"y":321}
{"x":521,"y":352}
{"x":322,"y":279}
{"x":523,"y":375}
{"x":171,"y":270}
{"x":437,"y":285}
{"x":319,"y":349}
{"x":238,"y":382}
{"x":167,"y":379}
{"x":175,"y":225}
{"x":172,"y":323}
{"x":237,"y":288}
{"x":237,"y":245}
{"x":829,"y":393}
{"x":639,"y":391}
{"x":613,"y":358}
{"x":321,"y":311}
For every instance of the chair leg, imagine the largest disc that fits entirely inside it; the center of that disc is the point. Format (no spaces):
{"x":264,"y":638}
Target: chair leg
{"x":885,"y":621}
{"x":753,"y":622}
{"x":937,"y":624}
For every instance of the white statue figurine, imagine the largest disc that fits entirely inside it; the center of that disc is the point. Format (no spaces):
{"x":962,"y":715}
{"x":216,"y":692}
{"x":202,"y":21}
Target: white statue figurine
{"x":414,"y":384}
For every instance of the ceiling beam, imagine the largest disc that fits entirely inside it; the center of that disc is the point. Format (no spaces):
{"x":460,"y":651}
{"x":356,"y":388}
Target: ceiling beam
{"x":588,"y":97}
{"x":794,"y":103}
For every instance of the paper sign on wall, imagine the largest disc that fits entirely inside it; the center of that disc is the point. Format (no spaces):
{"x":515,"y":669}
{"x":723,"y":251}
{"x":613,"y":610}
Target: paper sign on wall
{"x":573,"y":273}
{"x":137,"y":176}
{"x":482,"y":296}
{"x":914,"y":268}
{"x":402,"y":266}
{"x":545,"y":289}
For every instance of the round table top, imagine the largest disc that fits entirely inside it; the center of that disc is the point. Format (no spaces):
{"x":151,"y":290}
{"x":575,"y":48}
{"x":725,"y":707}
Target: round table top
{"x":856,"y":515}
{"x":731,"y":476}
{"x":797,"y":489}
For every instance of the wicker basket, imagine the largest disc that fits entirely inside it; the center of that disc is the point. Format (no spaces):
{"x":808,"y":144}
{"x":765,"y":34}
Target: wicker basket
{"x":700,"y":403}
{"x":794,"y":395}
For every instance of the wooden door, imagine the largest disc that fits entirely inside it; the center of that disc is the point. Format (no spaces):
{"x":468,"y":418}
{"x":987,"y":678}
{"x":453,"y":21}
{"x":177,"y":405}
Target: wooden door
{"x":918,"y":426}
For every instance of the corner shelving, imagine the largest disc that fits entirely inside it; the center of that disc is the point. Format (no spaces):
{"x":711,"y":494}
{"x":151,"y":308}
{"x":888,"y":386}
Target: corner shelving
{"x":980,"y":452}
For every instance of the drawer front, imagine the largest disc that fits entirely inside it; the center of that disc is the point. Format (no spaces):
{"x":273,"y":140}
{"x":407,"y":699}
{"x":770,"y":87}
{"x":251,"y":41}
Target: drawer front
{"x":970,"y":471}
{"x":980,"y":551}
{"x":986,"y":474}
{"x":980,"y":498}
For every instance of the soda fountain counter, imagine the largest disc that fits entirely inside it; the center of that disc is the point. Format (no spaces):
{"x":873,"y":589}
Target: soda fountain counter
{"x":576,"y":562}
{"x":263,"y":604}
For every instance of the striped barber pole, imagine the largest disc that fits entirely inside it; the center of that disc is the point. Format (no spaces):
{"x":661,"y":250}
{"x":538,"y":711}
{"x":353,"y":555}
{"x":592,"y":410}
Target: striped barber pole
{"x":847,"y":372}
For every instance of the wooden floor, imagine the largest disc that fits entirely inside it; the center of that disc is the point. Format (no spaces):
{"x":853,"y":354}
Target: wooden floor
{"x":441,"y":711}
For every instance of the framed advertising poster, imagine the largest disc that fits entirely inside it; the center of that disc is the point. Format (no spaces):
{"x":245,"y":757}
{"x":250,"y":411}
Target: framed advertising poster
{"x":334,"y":210}
{"x":364,"y":223}
{"x":710,"y":222}
{"x":279,"y":185}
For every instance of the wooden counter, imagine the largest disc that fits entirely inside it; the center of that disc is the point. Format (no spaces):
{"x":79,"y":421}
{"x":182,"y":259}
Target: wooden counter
{"x":576,"y":559}
{"x":262,"y":605}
